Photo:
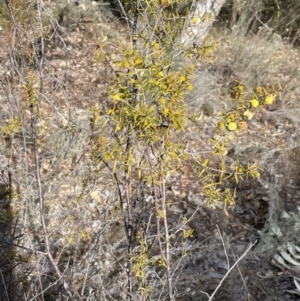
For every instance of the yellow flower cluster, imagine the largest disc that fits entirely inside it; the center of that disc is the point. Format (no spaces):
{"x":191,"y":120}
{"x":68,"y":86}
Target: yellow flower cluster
{"x":243,"y":110}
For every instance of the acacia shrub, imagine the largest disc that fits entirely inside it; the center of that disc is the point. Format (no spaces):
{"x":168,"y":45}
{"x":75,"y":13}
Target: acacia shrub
{"x":146,"y":112}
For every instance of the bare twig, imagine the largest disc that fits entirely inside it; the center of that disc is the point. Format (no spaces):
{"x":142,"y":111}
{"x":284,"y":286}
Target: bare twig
{"x":167,"y":237}
{"x":225,"y":276}
{"x":228,"y":263}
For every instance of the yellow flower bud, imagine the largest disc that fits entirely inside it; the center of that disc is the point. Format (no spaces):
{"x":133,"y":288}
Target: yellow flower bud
{"x":195,"y":20}
{"x":156,"y":45}
{"x":166,"y":111}
{"x":160,"y":74}
{"x":269,"y":99}
{"x":221,"y":125}
{"x":116,"y":97}
{"x":232,"y":126}
{"x":254,"y":103}
{"x":241,"y":88}
{"x":138,"y":62}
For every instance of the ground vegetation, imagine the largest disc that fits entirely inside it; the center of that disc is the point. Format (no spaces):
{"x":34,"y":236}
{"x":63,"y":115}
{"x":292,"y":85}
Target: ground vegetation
{"x":144,"y":157}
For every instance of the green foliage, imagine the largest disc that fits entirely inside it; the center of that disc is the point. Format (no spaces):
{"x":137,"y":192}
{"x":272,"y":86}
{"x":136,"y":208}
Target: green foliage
{"x":171,"y":14}
{"x":146,"y":110}
{"x":31,"y":90}
{"x":12,"y":127}
{"x":244,"y":106}
{"x":147,"y":102}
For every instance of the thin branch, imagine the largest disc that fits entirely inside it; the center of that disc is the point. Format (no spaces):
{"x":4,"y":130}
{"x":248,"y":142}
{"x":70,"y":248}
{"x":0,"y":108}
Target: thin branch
{"x":225,"y":276}
{"x":228,"y":263}
{"x":37,"y":159}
